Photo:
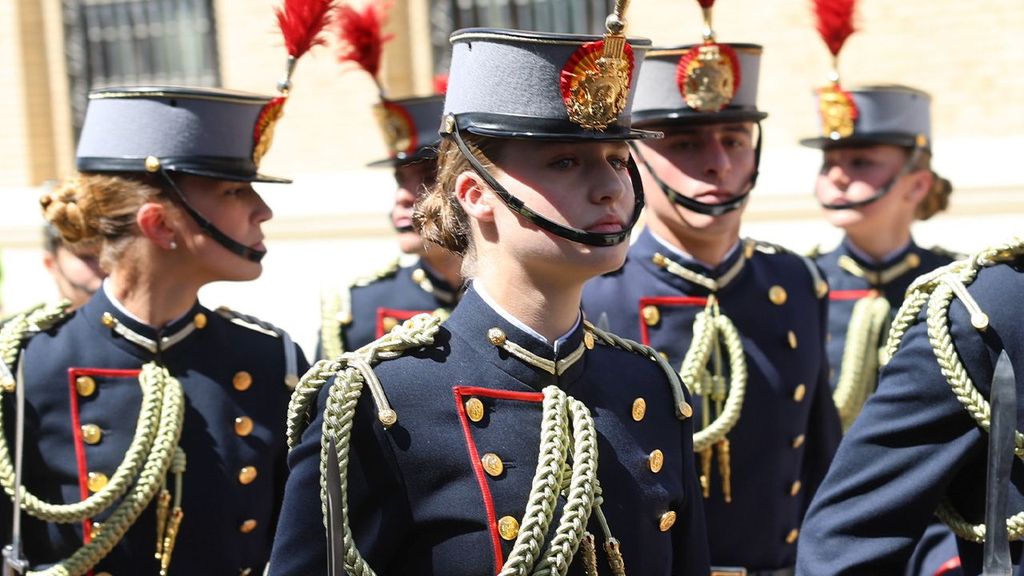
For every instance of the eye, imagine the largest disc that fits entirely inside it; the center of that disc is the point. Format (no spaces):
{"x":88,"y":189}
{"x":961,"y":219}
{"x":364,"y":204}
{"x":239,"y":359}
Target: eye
{"x":685,"y":144}
{"x":564,"y":163}
{"x":862,"y":163}
{"x":619,"y":162}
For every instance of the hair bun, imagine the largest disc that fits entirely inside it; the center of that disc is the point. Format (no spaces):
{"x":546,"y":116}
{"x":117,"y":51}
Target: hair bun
{"x":62,"y":208}
{"x":937,"y":199}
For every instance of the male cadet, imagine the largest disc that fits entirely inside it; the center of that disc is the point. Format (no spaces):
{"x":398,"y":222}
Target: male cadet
{"x":374,"y":304}
{"x":76,"y":273}
{"x":743,"y":321}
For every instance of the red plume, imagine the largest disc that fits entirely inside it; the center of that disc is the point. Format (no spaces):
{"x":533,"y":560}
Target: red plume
{"x":361,"y":34}
{"x":706,"y":3}
{"x":835,"y":22}
{"x":301,"y":22}
{"x":441,"y":84}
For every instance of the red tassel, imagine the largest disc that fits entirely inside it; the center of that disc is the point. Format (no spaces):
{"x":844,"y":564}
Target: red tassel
{"x":835,"y":22}
{"x":441,"y":84}
{"x":361,"y":34}
{"x":301,"y":22}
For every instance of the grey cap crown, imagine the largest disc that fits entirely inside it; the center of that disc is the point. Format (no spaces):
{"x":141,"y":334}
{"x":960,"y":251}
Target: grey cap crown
{"x":201,"y":131}
{"x":660,"y":100}
{"x":886,"y":114}
{"x":507,"y":83}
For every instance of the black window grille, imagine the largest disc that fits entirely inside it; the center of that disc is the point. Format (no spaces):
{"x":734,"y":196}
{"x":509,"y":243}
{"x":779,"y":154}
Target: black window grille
{"x":564,"y":16}
{"x":134,"y":42}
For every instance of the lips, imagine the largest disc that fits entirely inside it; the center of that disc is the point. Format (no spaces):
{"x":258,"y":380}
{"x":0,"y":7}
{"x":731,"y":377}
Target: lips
{"x":610,"y":223}
{"x":714,"y":197}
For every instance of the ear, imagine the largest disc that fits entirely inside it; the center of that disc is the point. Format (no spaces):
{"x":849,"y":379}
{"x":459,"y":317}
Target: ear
{"x":475,"y":196}
{"x":920,"y":185}
{"x":50,"y":260}
{"x":153,"y":219}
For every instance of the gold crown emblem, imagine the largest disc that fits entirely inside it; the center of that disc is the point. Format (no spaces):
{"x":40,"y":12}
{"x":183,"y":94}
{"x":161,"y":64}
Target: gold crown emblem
{"x":595,"y":82}
{"x":708,"y":76}
{"x":838,"y":112}
{"x":397,"y":127}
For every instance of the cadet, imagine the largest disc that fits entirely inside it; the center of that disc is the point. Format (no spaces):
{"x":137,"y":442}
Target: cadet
{"x":147,"y":429}
{"x":875,"y":180}
{"x":515,"y":438}
{"x":153,"y":424}
{"x":742,"y":321}
{"x":76,"y":274}
{"x":374,"y":305}
{"x":919,"y":445}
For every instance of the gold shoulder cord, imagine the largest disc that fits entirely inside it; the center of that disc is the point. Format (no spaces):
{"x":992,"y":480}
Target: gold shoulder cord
{"x":858,"y":375}
{"x":153,"y":453}
{"x":937,"y":290}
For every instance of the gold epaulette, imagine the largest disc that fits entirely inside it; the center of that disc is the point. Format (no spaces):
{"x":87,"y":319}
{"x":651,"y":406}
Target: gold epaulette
{"x":818,"y":283}
{"x":335,"y":312}
{"x":388,"y":271}
{"x":291,"y":363}
{"x":814,"y":253}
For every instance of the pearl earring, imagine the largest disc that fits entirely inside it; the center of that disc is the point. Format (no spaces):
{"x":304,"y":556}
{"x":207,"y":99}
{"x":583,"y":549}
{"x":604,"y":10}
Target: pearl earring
{"x":173,"y":245}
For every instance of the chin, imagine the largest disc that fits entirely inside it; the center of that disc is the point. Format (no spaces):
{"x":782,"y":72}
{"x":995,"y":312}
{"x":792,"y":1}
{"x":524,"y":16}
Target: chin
{"x":844,"y":219}
{"x":410,"y":243}
{"x":244,"y":272}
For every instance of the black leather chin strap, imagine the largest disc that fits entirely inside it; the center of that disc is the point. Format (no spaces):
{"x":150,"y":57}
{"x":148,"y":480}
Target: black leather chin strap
{"x":701,"y":207}
{"x":908,"y":167}
{"x":208,"y":228}
{"x":574,"y":234}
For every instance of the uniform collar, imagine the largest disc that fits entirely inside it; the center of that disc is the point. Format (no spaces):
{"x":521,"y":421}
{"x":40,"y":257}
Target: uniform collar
{"x":108,"y":314}
{"x":677,"y":267}
{"x":499,"y":338}
{"x":432,"y":283}
{"x":879,"y":273}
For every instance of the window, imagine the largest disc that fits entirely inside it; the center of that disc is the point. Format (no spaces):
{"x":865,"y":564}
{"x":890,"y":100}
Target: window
{"x":133,"y":42}
{"x":565,"y":16}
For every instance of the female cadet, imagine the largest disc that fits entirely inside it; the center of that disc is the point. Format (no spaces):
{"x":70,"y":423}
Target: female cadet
{"x":516,"y":438}
{"x":743,"y":321}
{"x":152,"y":426}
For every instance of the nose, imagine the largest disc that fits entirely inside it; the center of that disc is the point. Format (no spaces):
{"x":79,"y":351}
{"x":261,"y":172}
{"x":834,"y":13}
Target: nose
{"x":609,"y":185}
{"x":716,"y":158}
{"x":837,"y":176}
{"x":261,"y":211}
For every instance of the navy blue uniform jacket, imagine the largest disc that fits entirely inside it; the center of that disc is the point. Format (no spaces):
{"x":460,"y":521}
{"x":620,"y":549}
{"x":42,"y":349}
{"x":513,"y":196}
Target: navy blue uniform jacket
{"x":420,"y":502}
{"x":228,"y":372}
{"x":788,"y":428}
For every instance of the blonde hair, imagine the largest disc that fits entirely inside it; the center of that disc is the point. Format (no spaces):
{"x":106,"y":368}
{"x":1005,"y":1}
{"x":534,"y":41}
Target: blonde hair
{"x":438,"y":216}
{"x":937,"y":198}
{"x":98,"y":210}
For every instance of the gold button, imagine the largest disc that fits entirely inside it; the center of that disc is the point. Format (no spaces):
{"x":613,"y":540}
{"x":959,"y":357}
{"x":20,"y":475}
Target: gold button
{"x":108,"y":320}
{"x":588,"y":340}
{"x":639,"y":409}
{"x":799,"y":441}
{"x":508,"y":527}
{"x":655,"y":461}
{"x":685,"y":409}
{"x":418,"y":275}
{"x":91,"y":433}
{"x":821,"y":289}
{"x":791,"y":337}
{"x":247,"y":526}
{"x":152,"y":164}
{"x":388,"y":323}
{"x":96,"y":481}
{"x":777,"y":294}
{"x":97,"y":529}
{"x":247,"y":474}
{"x":492,"y":464}
{"x":651,"y":315}
{"x":475,"y":409}
{"x":748,"y":250}
{"x":199,"y":320}
{"x":799,"y":393}
{"x":658,"y":259}
{"x":667,"y":520}
{"x":241,"y":381}
{"x":85,"y":386}
{"x":913,"y":260}
{"x":496,"y":336}
{"x":243,"y":425}
{"x":795,"y":488}
{"x":791,"y":537}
